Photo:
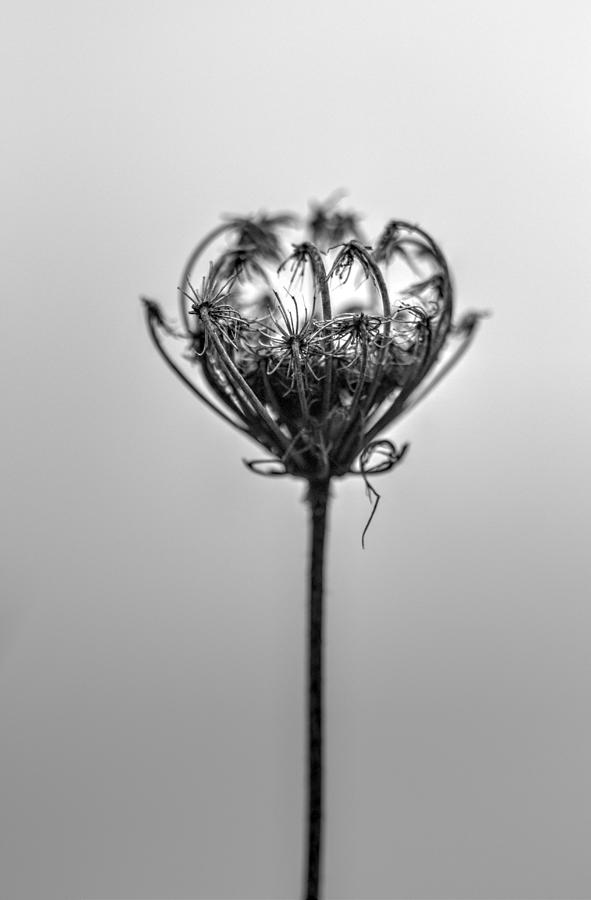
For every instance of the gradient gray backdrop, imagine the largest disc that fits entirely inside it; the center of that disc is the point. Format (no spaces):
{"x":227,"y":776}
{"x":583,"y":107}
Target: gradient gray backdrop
{"x":152,"y":616}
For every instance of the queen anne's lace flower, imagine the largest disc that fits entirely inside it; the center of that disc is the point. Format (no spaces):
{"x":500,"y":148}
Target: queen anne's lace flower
{"x":313,"y":348}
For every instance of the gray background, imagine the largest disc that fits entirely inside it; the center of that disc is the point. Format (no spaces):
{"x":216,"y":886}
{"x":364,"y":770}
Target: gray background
{"x":152,"y":616}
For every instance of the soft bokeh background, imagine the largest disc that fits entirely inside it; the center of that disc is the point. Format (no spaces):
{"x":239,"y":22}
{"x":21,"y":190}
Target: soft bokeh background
{"x":152,"y":615}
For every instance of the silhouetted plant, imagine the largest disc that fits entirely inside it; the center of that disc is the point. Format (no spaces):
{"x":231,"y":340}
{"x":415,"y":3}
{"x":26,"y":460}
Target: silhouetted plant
{"x":313,"y":352}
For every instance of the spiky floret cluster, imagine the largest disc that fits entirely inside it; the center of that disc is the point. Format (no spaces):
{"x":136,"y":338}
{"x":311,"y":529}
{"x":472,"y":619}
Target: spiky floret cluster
{"x":313,"y":348}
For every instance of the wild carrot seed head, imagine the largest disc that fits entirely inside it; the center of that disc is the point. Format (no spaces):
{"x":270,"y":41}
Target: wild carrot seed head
{"x":314,"y":347}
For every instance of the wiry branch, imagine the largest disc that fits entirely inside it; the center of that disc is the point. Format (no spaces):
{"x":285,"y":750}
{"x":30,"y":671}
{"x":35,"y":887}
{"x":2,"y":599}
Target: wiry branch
{"x":154,"y":318}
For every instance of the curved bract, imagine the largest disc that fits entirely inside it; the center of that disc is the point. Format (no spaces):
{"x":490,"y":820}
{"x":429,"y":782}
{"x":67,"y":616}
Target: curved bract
{"x":314,"y":343}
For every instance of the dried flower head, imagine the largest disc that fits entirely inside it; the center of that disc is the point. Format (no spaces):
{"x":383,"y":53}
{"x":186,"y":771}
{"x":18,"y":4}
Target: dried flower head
{"x":313,"y":348}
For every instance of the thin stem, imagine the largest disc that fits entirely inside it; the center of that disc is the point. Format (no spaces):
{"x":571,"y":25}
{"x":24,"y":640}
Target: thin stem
{"x":320,"y":280}
{"x":318,"y":496}
{"x":299,"y":380}
{"x":237,"y":378}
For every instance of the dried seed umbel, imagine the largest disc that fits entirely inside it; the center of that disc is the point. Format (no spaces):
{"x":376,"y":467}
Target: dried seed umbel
{"x":313,"y":348}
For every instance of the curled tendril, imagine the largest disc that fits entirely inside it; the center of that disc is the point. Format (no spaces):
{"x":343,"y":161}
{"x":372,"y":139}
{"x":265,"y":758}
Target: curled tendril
{"x":388,"y":457}
{"x":256,"y":466}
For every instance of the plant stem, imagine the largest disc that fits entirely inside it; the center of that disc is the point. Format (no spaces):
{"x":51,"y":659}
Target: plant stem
{"x":318,"y":495}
